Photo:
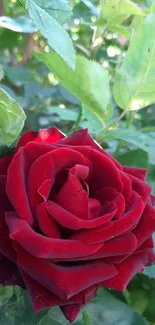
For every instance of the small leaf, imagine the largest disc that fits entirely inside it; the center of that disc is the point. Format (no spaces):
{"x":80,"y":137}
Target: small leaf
{"x":47,"y":18}
{"x":89,"y":82}
{"x":21,"y":24}
{"x":1,"y":73}
{"x":135,"y":81}
{"x":116,"y":11}
{"x":12,"y":119}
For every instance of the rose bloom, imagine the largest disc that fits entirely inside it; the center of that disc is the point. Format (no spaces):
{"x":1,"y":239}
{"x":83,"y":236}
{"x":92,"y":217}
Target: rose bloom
{"x":72,"y":219}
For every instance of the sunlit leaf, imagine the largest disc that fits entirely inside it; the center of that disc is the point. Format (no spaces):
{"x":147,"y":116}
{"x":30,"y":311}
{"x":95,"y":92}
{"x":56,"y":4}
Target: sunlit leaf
{"x":135,"y":81}
{"x":116,"y":11}
{"x":12,"y":119}
{"x":89,"y":82}
{"x":48,"y":17}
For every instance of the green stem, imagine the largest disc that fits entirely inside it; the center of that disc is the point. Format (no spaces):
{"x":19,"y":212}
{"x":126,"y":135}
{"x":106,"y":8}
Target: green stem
{"x":77,"y":123}
{"x":86,"y":318}
{"x":129,"y":119}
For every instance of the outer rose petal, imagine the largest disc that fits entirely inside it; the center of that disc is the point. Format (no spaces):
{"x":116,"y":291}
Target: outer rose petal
{"x":5,"y":242}
{"x":143,"y":189}
{"x":43,"y":298}
{"x":62,"y":280}
{"x":4,"y":164}
{"x":127,"y":269}
{"x":16,"y":186}
{"x":48,"y":248}
{"x":9,"y":273}
{"x":137,"y":172}
{"x":83,"y":138}
{"x":146,"y":226}
{"x":50,"y":135}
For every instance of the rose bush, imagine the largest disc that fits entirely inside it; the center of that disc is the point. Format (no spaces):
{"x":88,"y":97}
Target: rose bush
{"x":71,"y":219}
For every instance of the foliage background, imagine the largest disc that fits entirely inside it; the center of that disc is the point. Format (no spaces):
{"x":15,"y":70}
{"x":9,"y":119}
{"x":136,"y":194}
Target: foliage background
{"x":46,"y":103}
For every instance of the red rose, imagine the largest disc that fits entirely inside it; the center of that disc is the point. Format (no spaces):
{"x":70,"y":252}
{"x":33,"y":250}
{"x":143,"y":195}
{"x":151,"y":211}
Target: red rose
{"x":72,"y":219}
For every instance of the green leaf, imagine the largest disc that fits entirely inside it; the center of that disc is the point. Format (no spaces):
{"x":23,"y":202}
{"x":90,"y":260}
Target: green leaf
{"x":89,"y":82}
{"x":116,"y":11}
{"x":139,"y":300}
{"x":93,"y":123}
{"x":12,"y":119}
{"x":19,"y":76}
{"x":135,"y":81}
{"x":110,"y":311}
{"x":136,"y":158}
{"x":48,"y":16}
{"x":19,"y":311}
{"x":20,"y":24}
{"x":92,"y":8}
{"x":64,"y":113}
{"x":141,"y":140}
{"x":59,"y":10}
{"x":86,"y":318}
{"x":1,"y":73}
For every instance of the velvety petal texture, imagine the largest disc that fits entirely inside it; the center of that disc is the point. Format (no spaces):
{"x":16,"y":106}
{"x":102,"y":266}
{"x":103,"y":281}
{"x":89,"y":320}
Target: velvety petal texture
{"x":71,"y":219}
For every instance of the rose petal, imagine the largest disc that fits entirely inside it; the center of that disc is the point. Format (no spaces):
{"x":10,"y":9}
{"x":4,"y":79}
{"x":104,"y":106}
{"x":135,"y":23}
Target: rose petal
{"x":4,"y":164}
{"x":105,"y":173}
{"x":110,"y":194}
{"x":80,"y":171}
{"x":16,"y":186}
{"x":5,"y":242}
{"x":43,"y":298}
{"x":146,"y":226}
{"x":94,"y":208}
{"x":128,"y":221}
{"x":153,"y":200}
{"x":47,"y":166}
{"x":148,"y":243}
{"x":127,"y":186}
{"x":83,"y":138}
{"x":73,"y":198}
{"x":9,"y":274}
{"x":48,"y":248}
{"x":126,"y":270}
{"x":45,"y":188}
{"x":50,"y":135}
{"x":143,"y":189}
{"x":62,"y":280}
{"x":137,"y":172}
{"x":68,"y":220}
{"x":122,"y":245}
{"x":47,"y":225}
{"x":71,"y":311}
